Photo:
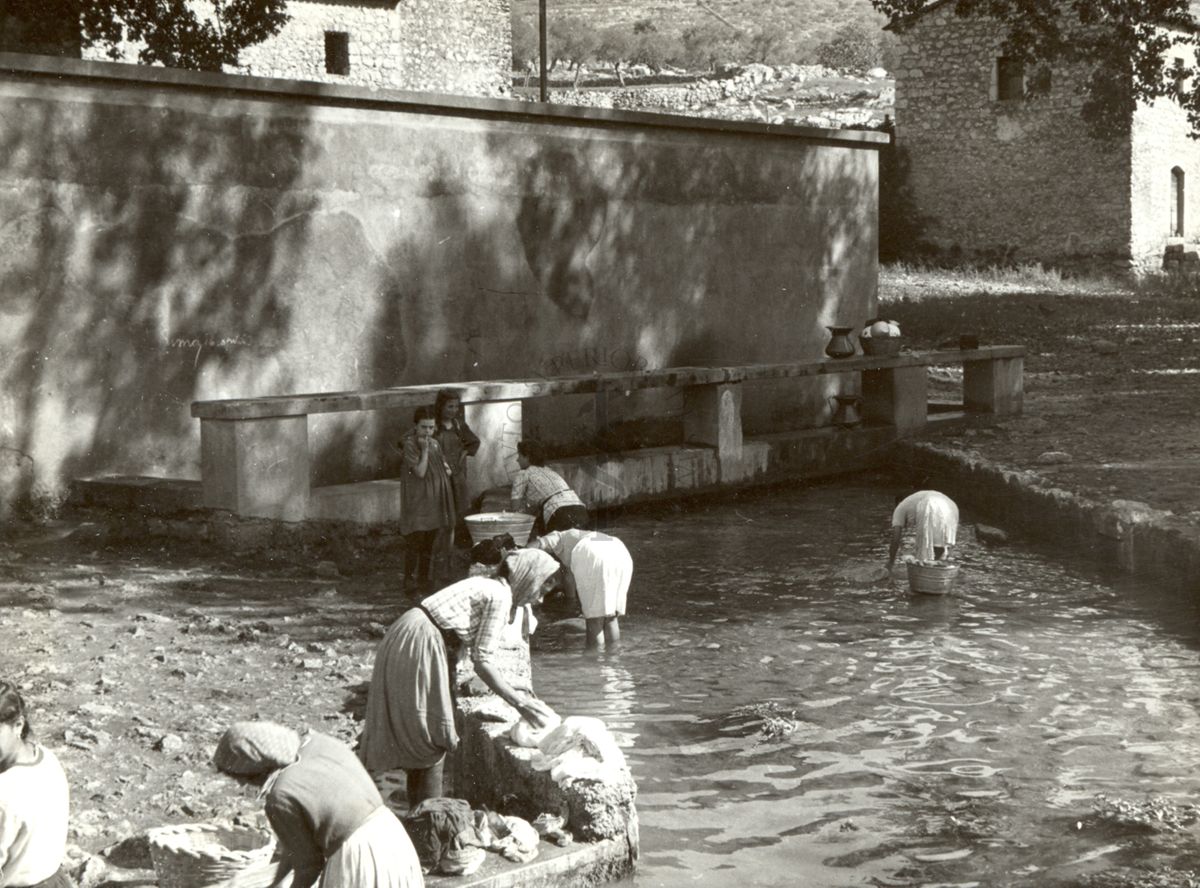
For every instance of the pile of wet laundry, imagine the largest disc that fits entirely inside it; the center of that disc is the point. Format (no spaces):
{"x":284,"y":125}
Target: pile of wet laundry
{"x":453,"y":839}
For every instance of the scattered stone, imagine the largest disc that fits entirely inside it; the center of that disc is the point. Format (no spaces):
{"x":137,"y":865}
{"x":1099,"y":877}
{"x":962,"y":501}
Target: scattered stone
{"x":312,"y":663}
{"x":987,"y":534}
{"x":1034,"y":424}
{"x":84,"y":737}
{"x":1105,"y":347}
{"x":87,"y":870}
{"x":863,"y":574}
{"x":327,"y":569}
{"x":147,"y":617}
{"x":130,"y":853}
{"x":1053,"y":457}
{"x":169,"y":743}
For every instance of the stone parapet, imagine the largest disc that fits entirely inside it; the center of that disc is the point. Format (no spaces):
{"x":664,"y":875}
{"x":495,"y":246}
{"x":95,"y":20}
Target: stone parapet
{"x":1131,"y":535}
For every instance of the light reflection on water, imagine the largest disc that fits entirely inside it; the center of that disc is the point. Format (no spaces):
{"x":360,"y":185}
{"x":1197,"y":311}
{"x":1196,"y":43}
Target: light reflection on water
{"x":949,"y":740}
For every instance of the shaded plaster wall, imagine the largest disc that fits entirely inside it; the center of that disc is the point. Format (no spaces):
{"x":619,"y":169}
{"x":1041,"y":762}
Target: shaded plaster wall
{"x":1160,"y":142}
{"x":163,"y":242}
{"x":1004,"y":180}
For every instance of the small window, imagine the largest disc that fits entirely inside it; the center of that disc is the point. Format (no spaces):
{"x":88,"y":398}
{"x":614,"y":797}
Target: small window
{"x":337,"y":53}
{"x":1010,"y":79}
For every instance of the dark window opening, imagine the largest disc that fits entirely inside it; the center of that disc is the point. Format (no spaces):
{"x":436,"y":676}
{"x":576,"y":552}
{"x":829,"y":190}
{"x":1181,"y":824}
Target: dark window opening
{"x":337,"y":53}
{"x":1177,"y":202}
{"x":1179,"y":76}
{"x":1010,"y":79}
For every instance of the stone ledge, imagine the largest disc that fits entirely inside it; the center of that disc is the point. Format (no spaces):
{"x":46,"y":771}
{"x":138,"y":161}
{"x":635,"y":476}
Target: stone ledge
{"x":64,"y":70}
{"x":1136,"y":538}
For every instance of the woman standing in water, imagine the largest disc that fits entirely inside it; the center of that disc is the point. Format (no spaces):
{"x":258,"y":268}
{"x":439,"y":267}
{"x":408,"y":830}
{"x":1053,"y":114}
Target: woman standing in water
{"x":600,"y":568}
{"x":34,"y":803}
{"x":458,"y":443}
{"x":410,"y":703}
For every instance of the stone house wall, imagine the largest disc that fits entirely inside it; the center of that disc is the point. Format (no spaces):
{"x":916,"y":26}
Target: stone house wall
{"x":461,"y":47}
{"x":1160,"y":143}
{"x":1012,"y":180}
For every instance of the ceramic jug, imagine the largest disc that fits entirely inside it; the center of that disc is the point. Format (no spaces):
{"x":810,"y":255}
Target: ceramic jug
{"x":840,"y":346}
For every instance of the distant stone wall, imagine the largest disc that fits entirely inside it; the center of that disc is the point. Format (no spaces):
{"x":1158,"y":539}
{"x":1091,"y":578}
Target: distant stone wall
{"x":461,"y":47}
{"x":1009,"y":181}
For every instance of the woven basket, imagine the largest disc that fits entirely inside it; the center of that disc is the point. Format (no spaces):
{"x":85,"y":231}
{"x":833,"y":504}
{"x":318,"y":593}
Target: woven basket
{"x":932,"y":580}
{"x":486,"y":525}
{"x":193,"y":855}
{"x":880,"y":346}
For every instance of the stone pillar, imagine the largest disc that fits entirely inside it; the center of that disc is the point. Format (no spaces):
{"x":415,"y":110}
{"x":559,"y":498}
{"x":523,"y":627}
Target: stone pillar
{"x":256,"y":468}
{"x":896,"y":396}
{"x":712,"y":415}
{"x":994,"y":385}
{"x":499,"y":427}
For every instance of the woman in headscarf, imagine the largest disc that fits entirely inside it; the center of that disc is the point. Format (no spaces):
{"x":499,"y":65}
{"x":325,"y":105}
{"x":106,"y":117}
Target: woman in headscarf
{"x":410,"y":704}
{"x":329,"y":818}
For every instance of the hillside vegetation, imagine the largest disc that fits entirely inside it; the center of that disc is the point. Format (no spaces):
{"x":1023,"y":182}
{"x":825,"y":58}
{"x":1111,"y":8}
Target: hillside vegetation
{"x":797,"y":27}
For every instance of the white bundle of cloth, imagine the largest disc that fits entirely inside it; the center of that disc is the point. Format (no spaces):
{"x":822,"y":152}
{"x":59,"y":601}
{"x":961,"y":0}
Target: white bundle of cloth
{"x":525,"y":734}
{"x":580,"y":748}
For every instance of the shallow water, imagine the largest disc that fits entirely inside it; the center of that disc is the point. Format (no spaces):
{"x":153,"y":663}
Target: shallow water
{"x":956,"y":740}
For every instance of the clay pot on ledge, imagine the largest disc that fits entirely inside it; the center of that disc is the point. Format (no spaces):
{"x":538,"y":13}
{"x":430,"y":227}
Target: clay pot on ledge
{"x":840,"y":345}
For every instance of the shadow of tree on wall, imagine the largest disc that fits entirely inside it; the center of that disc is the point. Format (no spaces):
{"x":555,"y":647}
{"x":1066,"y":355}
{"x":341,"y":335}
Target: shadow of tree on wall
{"x":142,"y":253}
{"x":668,"y":247}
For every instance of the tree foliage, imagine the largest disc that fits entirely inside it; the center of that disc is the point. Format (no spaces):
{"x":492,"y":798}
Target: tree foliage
{"x":524,"y":44}
{"x":850,"y":47}
{"x":1127,"y":48}
{"x":710,"y":43}
{"x":175,"y":33}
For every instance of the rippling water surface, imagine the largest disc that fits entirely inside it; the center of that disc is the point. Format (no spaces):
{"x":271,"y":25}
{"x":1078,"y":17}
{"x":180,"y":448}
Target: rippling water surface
{"x":955,"y":740}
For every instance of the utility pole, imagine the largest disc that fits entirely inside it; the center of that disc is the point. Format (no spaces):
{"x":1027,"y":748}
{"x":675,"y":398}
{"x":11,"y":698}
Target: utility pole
{"x":717,"y":15}
{"x":544,"y":88}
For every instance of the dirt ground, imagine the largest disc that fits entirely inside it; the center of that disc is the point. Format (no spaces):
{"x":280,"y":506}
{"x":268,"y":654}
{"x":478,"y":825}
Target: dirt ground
{"x":135,"y":659}
{"x":1111,"y":386}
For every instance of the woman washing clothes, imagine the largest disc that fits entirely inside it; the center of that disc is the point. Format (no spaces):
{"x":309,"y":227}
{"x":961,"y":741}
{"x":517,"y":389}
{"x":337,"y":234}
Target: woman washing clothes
{"x":328,"y":816}
{"x":600,"y":569}
{"x":458,"y":443}
{"x":410,"y":703}
{"x":33,"y":802}
{"x":542,"y":492}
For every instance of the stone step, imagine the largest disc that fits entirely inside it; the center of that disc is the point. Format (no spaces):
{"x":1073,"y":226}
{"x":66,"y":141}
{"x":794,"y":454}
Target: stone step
{"x":364,"y":502}
{"x":151,"y":496}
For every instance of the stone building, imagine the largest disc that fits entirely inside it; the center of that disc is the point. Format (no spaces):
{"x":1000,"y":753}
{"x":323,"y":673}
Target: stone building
{"x":461,"y":47}
{"x":999,"y":175}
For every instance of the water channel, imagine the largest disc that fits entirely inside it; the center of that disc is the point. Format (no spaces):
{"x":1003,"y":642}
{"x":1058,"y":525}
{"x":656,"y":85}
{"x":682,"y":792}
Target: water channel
{"x":958,"y":740}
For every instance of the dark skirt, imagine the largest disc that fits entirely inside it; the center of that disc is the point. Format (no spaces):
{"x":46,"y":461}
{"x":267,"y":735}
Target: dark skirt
{"x":410,"y":704}
{"x":567,"y":517}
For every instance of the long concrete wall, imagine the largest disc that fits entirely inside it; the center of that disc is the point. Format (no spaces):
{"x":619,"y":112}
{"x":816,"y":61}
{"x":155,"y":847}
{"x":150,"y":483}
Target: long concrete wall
{"x":167,"y":237}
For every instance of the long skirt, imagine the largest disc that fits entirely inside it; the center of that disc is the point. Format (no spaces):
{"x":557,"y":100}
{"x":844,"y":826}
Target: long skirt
{"x":602,"y":568}
{"x":379,"y":854}
{"x":410,"y":710}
